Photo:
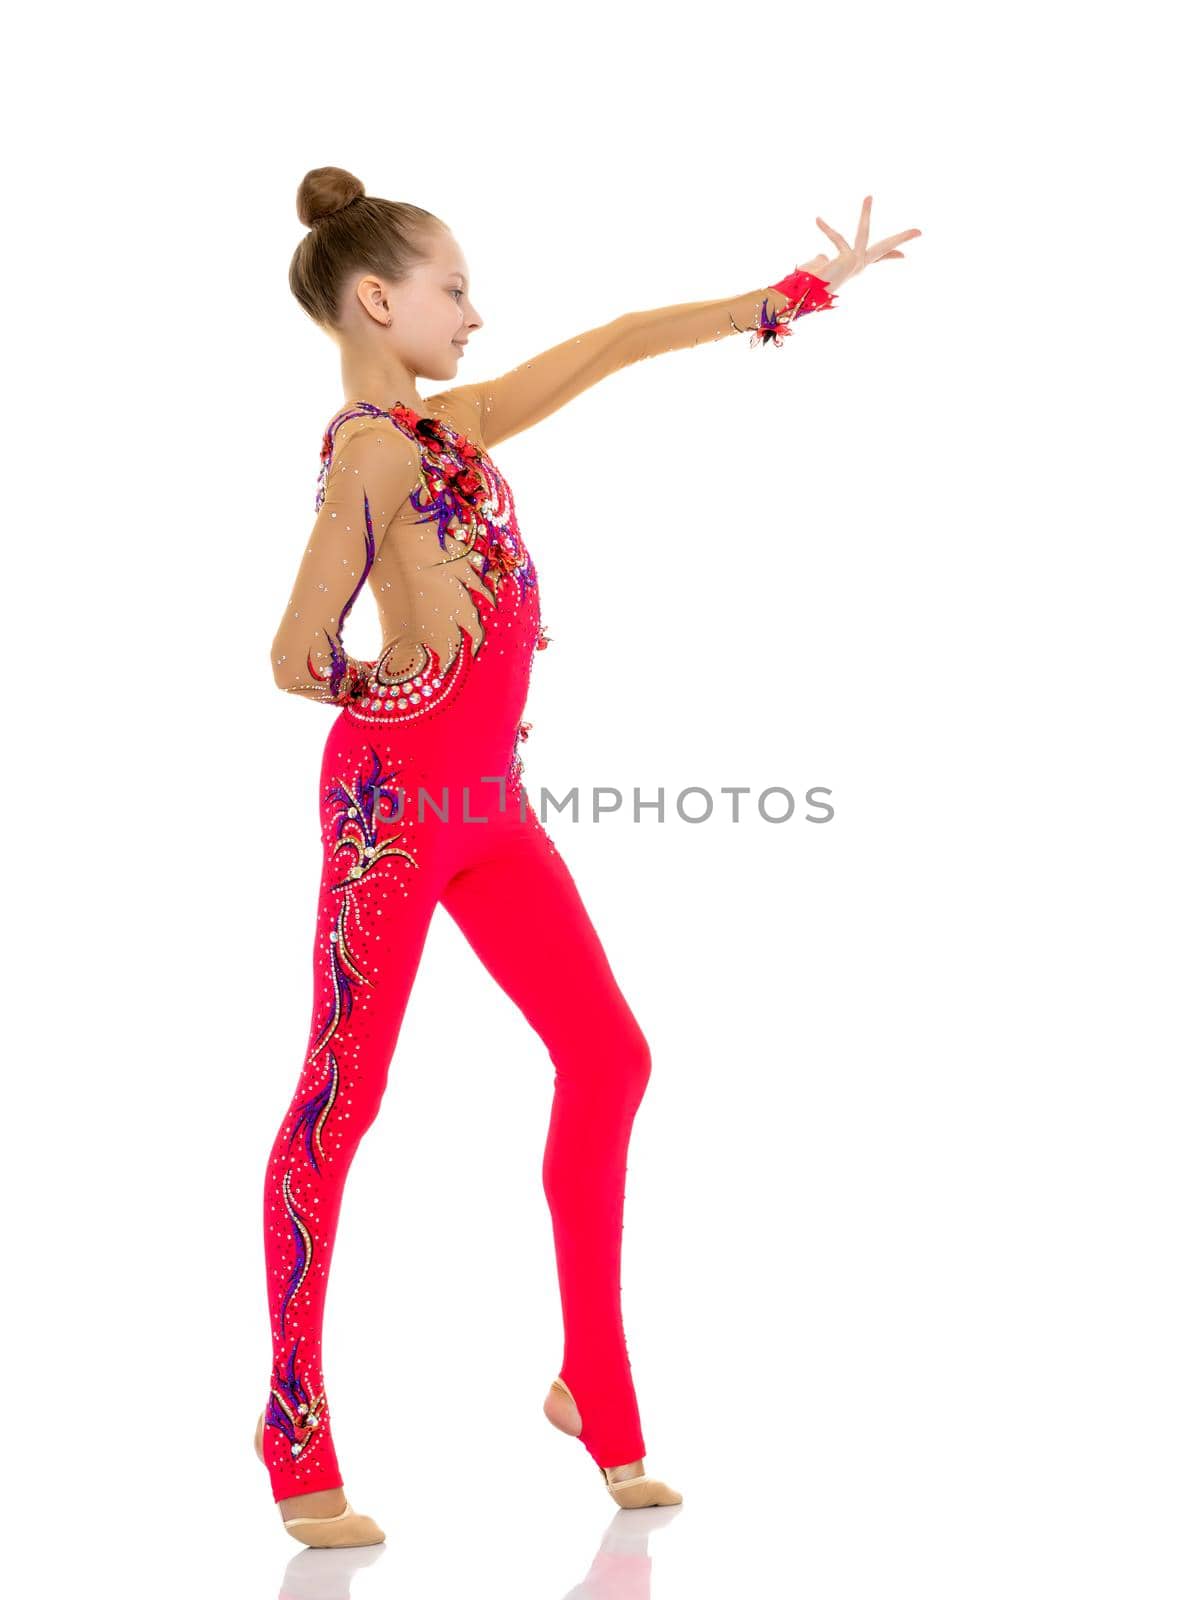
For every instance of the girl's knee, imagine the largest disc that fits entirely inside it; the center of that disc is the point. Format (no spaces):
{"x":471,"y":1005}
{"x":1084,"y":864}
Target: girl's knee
{"x":612,"y":1059}
{"x":639,"y":1059}
{"x":628,"y":1064}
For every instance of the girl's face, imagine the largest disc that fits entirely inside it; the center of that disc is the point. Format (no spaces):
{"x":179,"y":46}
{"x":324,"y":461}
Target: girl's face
{"x":432,"y":315}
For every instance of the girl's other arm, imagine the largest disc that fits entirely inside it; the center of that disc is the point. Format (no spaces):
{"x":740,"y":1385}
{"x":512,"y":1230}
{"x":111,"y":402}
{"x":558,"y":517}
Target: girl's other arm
{"x":371,"y":475}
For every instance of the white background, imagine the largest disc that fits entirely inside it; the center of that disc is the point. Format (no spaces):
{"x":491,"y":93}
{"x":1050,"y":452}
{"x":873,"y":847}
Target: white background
{"x":910,"y":1245}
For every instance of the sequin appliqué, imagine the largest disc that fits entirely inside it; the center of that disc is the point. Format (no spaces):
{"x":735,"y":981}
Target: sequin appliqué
{"x":358,"y":849}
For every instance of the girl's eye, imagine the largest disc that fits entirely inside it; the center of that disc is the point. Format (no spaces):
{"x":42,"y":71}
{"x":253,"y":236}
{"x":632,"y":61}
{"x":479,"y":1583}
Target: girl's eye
{"x":456,"y":291}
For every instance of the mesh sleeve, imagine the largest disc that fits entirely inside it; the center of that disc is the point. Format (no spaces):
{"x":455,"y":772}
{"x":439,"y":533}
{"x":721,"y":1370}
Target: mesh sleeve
{"x":374,"y":470}
{"x":538,"y":387}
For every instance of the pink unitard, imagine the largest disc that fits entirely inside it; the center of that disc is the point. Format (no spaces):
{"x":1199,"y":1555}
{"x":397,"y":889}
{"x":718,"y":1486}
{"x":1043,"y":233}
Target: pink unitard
{"x":421,"y":804}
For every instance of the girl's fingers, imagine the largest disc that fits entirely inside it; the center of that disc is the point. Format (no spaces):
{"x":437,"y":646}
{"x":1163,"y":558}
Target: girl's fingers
{"x":834,"y":235}
{"x":864,"y":227}
{"x":885,"y":250}
{"x":896,"y":238}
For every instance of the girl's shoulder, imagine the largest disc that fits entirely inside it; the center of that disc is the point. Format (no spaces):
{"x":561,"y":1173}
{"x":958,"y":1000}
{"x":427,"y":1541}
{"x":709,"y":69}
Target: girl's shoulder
{"x":354,"y":420}
{"x":377,"y":443}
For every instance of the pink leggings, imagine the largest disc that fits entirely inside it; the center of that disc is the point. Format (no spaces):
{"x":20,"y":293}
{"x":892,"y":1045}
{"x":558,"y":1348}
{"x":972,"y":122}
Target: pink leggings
{"x":508,"y":889}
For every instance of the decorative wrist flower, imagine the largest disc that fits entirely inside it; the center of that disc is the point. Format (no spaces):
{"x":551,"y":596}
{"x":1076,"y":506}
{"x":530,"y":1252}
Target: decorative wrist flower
{"x":345,"y":679}
{"x":806,"y":292}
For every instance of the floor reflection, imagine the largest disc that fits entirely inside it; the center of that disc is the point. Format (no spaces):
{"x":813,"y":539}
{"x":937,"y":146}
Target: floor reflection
{"x":619,"y":1570}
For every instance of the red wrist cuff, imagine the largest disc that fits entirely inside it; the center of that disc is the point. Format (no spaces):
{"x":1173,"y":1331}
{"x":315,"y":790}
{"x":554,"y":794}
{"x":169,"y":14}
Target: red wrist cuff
{"x":806,"y":292}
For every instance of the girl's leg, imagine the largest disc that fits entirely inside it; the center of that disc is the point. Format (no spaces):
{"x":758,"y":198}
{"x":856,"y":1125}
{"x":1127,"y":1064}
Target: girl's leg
{"x":379,"y":888}
{"x":522,"y":914}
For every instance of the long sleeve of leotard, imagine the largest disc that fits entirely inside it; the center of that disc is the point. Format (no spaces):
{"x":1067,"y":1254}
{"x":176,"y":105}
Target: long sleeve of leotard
{"x":374,"y":470}
{"x":538,"y":387}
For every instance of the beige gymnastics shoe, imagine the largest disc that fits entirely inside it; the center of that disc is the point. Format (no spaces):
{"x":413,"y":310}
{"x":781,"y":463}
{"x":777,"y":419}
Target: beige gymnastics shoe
{"x":343,"y":1531}
{"x":631,"y":1494}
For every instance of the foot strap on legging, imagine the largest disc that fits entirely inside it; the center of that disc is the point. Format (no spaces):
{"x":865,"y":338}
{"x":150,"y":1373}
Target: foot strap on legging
{"x":290,"y":1522}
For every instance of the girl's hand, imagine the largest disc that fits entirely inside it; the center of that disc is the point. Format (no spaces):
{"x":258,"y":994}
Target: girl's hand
{"x":852,"y":260}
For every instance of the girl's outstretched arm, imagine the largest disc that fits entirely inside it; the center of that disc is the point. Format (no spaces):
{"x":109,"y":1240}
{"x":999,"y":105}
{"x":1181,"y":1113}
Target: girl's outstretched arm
{"x":373,"y":471}
{"x":532,"y":391}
